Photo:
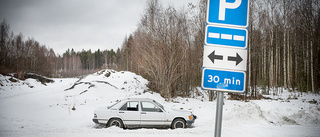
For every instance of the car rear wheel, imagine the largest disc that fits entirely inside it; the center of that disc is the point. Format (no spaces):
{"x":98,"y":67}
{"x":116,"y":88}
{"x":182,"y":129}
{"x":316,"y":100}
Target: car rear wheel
{"x":115,"y":122}
{"x":178,"y":123}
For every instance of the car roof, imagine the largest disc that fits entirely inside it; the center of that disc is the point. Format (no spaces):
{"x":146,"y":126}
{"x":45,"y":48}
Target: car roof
{"x":137,"y":99}
{"x":118,"y":105}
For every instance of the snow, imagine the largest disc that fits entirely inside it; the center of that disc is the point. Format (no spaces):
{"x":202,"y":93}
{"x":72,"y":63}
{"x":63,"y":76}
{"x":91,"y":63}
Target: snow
{"x":29,"y":108}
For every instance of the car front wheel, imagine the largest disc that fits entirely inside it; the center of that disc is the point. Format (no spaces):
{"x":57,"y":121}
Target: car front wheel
{"x":115,"y":122}
{"x":178,"y":123}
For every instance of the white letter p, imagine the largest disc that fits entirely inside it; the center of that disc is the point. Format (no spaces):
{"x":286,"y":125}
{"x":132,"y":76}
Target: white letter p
{"x":226,"y":5}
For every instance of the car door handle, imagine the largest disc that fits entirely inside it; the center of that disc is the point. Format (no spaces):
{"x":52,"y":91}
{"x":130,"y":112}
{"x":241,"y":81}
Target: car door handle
{"x":121,"y":112}
{"x":143,"y":113}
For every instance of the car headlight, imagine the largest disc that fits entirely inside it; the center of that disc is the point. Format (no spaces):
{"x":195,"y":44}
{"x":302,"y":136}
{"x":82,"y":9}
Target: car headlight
{"x":95,"y":115}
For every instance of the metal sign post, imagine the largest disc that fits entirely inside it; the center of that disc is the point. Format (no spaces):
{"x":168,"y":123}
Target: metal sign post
{"x":225,"y":50}
{"x":217,"y":130}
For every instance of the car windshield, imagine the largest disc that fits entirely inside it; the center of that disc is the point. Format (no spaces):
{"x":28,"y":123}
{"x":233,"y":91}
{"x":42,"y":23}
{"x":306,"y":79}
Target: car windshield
{"x":114,"y":104}
{"x":158,"y":104}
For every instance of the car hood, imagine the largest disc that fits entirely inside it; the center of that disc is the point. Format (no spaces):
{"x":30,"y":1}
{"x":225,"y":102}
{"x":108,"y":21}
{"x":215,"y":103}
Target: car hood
{"x":180,"y":112}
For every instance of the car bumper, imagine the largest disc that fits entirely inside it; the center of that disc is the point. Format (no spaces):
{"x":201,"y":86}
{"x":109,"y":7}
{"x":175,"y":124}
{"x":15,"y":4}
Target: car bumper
{"x":95,"y":121}
{"x":100,"y":121}
{"x":190,"y":122}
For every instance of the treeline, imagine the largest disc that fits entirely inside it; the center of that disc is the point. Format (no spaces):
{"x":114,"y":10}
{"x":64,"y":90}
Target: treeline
{"x":73,"y":63}
{"x":19,"y":55}
{"x":284,"y":45}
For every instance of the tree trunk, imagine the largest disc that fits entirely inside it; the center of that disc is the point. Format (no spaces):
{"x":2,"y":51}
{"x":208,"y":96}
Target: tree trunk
{"x":289,"y":63}
{"x":284,"y":58}
{"x":311,"y":58}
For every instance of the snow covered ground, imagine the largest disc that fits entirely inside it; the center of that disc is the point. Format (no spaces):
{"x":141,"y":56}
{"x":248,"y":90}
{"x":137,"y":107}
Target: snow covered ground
{"x":65,"y":108}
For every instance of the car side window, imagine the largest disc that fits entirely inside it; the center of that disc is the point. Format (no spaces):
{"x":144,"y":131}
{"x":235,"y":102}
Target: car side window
{"x":130,"y":106}
{"x":150,"y":107}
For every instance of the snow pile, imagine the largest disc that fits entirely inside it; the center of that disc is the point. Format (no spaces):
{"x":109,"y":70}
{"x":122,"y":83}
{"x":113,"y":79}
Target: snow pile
{"x":65,"y":108}
{"x":10,"y":82}
{"x":11,"y":86}
{"x":262,"y":112}
{"x":248,"y":113}
{"x":105,"y":87}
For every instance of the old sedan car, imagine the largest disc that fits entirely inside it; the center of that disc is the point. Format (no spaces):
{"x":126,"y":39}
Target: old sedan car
{"x":142,"y":112}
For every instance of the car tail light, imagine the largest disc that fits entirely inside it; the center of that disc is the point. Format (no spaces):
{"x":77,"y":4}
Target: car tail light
{"x":190,"y":117}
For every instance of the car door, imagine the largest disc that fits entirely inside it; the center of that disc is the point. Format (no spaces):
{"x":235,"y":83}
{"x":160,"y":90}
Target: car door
{"x":130,"y":113}
{"x":151,"y":114}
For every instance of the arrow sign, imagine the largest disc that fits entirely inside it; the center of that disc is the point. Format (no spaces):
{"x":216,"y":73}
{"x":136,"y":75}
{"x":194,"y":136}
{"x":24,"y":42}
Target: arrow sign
{"x":225,"y":58}
{"x":212,"y":57}
{"x":237,"y":59}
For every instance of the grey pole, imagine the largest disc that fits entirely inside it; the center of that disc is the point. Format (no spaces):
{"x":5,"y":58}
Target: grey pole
{"x":219,"y":109}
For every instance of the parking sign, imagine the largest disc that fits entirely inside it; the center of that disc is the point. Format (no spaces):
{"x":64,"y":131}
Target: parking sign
{"x":228,"y":12}
{"x":225,"y":48}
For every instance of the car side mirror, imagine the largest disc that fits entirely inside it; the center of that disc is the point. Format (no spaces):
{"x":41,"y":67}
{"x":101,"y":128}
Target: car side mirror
{"x":159,"y":110}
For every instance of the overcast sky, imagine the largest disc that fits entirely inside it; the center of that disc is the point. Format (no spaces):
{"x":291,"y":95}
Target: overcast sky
{"x":78,"y":24}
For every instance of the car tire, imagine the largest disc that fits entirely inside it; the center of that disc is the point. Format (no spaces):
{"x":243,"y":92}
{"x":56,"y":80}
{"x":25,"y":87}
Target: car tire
{"x":115,"y":122}
{"x":178,"y":123}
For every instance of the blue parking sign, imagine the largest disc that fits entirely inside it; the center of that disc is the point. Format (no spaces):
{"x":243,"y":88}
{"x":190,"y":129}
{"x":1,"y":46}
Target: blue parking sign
{"x":226,"y":37}
{"x":228,"y":12}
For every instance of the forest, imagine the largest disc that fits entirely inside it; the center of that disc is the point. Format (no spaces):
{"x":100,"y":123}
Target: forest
{"x":167,"y":49}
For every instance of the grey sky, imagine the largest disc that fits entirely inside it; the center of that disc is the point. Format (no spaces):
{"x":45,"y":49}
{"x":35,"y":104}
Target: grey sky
{"x":78,"y":24}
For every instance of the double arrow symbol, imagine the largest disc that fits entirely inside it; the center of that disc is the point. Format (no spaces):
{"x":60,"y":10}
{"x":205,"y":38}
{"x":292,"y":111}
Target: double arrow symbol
{"x":213,"y":56}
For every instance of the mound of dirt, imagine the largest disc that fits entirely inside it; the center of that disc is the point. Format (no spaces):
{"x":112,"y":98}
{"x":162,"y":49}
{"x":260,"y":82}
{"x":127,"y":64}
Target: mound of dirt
{"x":39,"y":78}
